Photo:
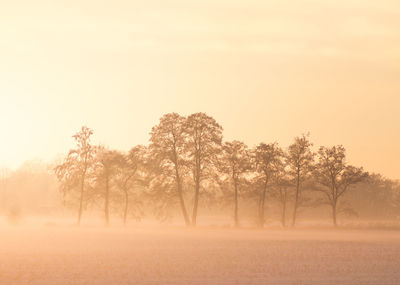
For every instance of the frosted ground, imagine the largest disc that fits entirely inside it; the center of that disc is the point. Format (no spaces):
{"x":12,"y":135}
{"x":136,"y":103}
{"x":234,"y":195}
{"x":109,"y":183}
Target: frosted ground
{"x":62,"y":255}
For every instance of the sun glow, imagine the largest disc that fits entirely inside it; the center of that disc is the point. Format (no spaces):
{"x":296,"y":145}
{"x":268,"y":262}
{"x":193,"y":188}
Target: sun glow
{"x":16,"y":128}
{"x":266,"y":70}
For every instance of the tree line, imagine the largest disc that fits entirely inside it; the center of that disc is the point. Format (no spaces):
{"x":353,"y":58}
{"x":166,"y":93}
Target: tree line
{"x":187,"y":161}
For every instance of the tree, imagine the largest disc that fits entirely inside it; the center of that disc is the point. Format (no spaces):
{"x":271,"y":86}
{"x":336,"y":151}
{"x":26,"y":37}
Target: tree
{"x":299,"y":160}
{"x":108,"y":162}
{"x":167,"y":148}
{"x":395,"y":201}
{"x":282,"y":185}
{"x":334,"y":176}
{"x":203,"y":143}
{"x":374,"y":198}
{"x":79,"y":162}
{"x":268,"y":161}
{"x":235,"y":163}
{"x":130,"y":176}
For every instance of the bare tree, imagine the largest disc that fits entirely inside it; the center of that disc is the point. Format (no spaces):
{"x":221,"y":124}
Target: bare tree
{"x":282,"y":185}
{"x":167,"y":147}
{"x":203,"y":143}
{"x":395,"y":196}
{"x":108,"y":162}
{"x":299,"y":160}
{"x":235,"y":163}
{"x":268,"y":160}
{"x":130,"y":177}
{"x":334,"y":176}
{"x":72,"y":173}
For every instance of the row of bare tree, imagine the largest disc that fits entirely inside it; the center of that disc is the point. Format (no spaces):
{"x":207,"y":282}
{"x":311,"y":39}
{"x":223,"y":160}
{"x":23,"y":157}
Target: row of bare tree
{"x":187,"y":160}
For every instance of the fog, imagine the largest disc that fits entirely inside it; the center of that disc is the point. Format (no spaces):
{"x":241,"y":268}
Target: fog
{"x":199,"y":142}
{"x":87,"y":255}
{"x":102,"y":216}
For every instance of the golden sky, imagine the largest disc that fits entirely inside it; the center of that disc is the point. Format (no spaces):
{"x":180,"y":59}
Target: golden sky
{"x":265,"y":70}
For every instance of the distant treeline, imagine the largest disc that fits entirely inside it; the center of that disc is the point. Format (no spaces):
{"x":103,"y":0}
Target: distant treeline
{"x":188,"y":165}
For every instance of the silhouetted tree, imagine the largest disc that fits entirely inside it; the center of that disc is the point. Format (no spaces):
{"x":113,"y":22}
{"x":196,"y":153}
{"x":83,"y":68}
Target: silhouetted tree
{"x":395,"y":195}
{"x":203,"y":138}
{"x":282,"y":185}
{"x":235,"y":163}
{"x":108,"y":162}
{"x":268,"y":161}
{"x":73,"y":172}
{"x":167,"y":148}
{"x":334,"y":176}
{"x":130,"y":177}
{"x":299,"y":160}
{"x":376,"y":197}
{"x":187,"y":153}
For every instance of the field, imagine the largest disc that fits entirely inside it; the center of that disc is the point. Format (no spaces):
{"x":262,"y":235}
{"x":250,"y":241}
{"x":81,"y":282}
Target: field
{"x":94,"y":255}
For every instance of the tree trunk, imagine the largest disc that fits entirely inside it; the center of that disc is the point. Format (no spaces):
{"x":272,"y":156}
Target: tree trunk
{"x":181,"y":198}
{"x":236,"y":215}
{"x":296,"y":201}
{"x":334,"y":214}
{"x":197,"y":176}
{"x":107,"y":202}
{"x":82,"y":190}
{"x":81,"y":200}
{"x":126,"y":207}
{"x":196,"y":202}
{"x":283,"y":218}
{"x":261,"y":206}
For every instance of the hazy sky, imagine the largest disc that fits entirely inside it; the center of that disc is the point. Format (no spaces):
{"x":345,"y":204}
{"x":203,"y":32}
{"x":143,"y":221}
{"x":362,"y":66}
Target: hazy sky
{"x":265,"y":70}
